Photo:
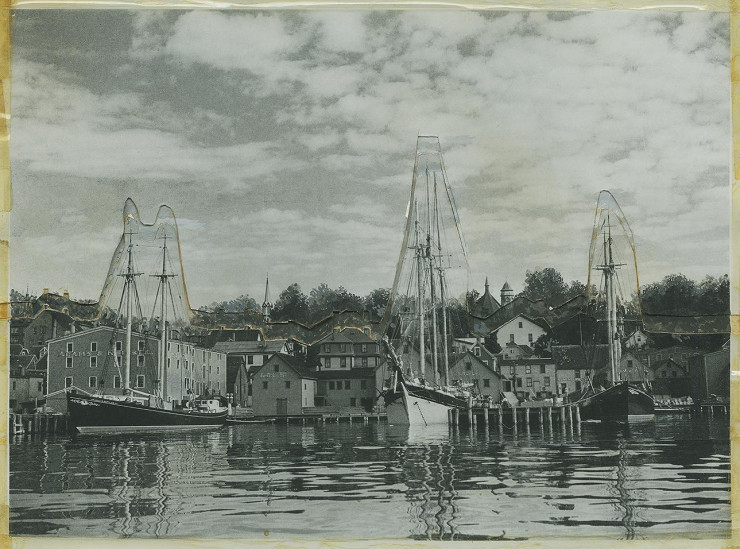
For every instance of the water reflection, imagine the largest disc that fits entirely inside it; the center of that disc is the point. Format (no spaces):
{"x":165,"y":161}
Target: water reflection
{"x":345,"y":480}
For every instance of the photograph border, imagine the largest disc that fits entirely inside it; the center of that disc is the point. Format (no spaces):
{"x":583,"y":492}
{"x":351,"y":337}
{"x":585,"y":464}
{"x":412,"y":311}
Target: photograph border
{"x":49,"y":542}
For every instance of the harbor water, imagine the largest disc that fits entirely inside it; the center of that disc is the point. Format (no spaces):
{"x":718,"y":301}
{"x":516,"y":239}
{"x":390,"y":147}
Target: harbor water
{"x":338,"y":481}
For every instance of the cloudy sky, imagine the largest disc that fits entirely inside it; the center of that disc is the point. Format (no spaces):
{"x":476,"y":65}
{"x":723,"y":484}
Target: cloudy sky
{"x":285,"y":141}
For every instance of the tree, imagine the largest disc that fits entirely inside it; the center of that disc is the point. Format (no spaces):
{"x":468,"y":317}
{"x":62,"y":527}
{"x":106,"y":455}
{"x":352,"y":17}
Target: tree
{"x":490,"y":342}
{"x":674,"y":295}
{"x":376,"y":302}
{"x":547,"y":284}
{"x":239,"y":305}
{"x":291,"y":305}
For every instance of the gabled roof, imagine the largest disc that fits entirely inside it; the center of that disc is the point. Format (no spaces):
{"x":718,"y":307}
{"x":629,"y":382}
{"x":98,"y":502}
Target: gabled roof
{"x":576,"y":357}
{"x":336,"y":337}
{"x":654,"y":366}
{"x":523,"y":348}
{"x":541,"y":322}
{"x":357,"y":336}
{"x":121,"y":331}
{"x":296,"y":364}
{"x":471,"y":356}
{"x":250,"y":347}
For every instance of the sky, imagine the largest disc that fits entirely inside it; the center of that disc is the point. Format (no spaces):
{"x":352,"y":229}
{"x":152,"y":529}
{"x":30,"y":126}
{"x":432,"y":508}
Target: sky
{"x":285,"y":141}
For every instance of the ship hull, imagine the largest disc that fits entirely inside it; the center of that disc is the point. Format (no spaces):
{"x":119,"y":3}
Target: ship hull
{"x":622,"y":402}
{"x":90,"y":414}
{"x":419,"y":406}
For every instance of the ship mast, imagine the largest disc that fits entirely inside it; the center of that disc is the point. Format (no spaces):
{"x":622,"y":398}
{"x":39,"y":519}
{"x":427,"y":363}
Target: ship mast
{"x":442,"y":297}
{"x":432,"y":293}
{"x":420,"y":293}
{"x":129,"y":283}
{"x":609,"y":269}
{"x":164,"y":286}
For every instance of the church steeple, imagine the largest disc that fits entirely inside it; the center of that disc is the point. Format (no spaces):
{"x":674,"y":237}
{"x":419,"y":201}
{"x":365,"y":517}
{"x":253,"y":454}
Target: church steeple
{"x":486,"y":286}
{"x":266,"y":305}
{"x":507,"y":294}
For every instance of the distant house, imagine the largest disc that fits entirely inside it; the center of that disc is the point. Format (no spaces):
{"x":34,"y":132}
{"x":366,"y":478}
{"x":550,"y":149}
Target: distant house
{"x":463,"y":344}
{"x":521,"y":330}
{"x":243,"y":356}
{"x":352,"y":388}
{"x":514,"y":351}
{"x":45,"y":326}
{"x":348,"y":348}
{"x":576,"y":365}
{"x":637,"y":340}
{"x":470,"y":369}
{"x":670,"y":378}
{"x":680,"y":353}
{"x":534,"y":378}
{"x":632,"y":369}
{"x":485,"y":305}
{"x":283,"y":386}
{"x":26,"y":383}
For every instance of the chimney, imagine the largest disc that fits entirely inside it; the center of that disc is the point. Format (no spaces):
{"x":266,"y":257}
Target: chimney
{"x":65,"y":294}
{"x":45,"y":291}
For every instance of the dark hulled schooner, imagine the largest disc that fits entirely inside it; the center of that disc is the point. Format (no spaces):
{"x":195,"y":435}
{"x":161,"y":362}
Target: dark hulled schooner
{"x":614,"y":398}
{"x":134,"y":410}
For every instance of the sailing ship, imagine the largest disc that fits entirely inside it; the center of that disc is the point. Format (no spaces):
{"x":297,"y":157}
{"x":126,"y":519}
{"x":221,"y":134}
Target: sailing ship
{"x":135,"y":410}
{"x":433,"y":250}
{"x":621,"y":399}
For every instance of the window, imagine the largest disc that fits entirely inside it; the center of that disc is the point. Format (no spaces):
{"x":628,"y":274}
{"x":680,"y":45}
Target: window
{"x":658,"y":356}
{"x":577,"y":374}
{"x":511,"y":370}
{"x":476,"y":350}
{"x":14,"y":385}
{"x":305,"y":386}
{"x":178,"y":363}
{"x":674,"y":373}
{"x":547,"y":381}
{"x":168,"y":362}
{"x":67,"y":382}
{"x":629,"y":364}
{"x":116,"y":382}
{"x":204,"y":355}
{"x":264,"y":385}
{"x":347,"y":384}
{"x":70,"y":362}
{"x":327,"y":362}
{"x":529,"y":382}
{"x":41,"y":386}
{"x":93,"y":362}
{"x":486,"y":383}
{"x":327,"y":348}
{"x":528,"y":369}
{"x":511,"y":338}
{"x":169,"y":346}
{"x":140,"y":361}
{"x":250,"y":359}
{"x":363,"y":384}
{"x":343,"y":362}
{"x":521,"y":325}
{"x":277,"y":367}
{"x":353,"y":402}
{"x":265,"y":358}
{"x":364,"y":362}
{"x":119,"y":346}
{"x":468,"y":366}
{"x":141,"y":345}
{"x":542,"y":368}
{"x":70,"y":347}
{"x":287,"y":384}
{"x":663,"y":373}
{"x":364,"y":347}
{"x":139,"y":381}
{"x":518,"y":382}
{"x":92,"y":381}
{"x":331,"y":385}
{"x":94,"y":346}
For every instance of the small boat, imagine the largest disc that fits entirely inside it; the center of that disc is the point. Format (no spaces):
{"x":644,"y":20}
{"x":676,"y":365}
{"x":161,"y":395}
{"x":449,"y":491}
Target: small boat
{"x":135,"y":410}
{"x":620,"y":402}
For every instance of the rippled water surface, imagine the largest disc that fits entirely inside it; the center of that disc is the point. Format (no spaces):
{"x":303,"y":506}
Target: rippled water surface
{"x":370,"y":481}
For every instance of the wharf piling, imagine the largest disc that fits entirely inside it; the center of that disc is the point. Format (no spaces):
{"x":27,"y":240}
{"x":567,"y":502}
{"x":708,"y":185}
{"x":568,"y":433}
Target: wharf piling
{"x":31,"y":424}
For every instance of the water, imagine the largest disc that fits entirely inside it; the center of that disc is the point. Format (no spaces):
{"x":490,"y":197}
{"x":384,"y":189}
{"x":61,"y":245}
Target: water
{"x":343,"y":481}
